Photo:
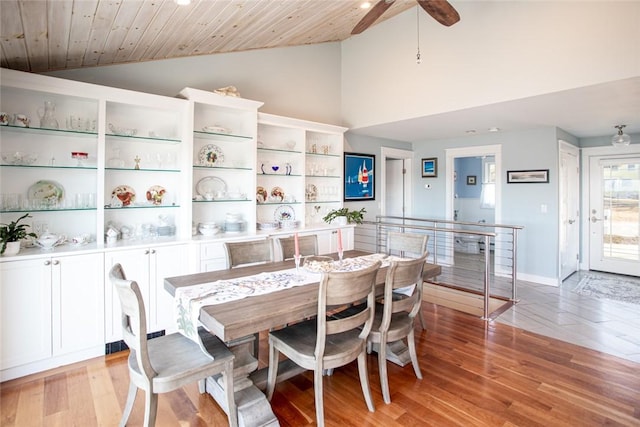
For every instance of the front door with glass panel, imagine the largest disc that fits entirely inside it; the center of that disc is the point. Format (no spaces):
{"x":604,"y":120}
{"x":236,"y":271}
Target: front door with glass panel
{"x":614,"y":215}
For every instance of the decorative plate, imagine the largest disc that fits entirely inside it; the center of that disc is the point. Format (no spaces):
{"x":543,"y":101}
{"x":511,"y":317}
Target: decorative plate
{"x":261,"y":194}
{"x":277,"y":194}
{"x":284,"y":213}
{"x":211,"y":185}
{"x":216,"y":129}
{"x":311,"y":193}
{"x":50,"y":192}
{"x":210,"y":155}
{"x":125,"y":194}
{"x":155,"y":194}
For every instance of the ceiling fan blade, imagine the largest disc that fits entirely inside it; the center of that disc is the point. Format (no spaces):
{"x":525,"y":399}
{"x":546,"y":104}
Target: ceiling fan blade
{"x":441,"y":11}
{"x":371,"y":16}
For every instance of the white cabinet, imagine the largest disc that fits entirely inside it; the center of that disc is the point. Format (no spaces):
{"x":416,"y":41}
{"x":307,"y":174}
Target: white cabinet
{"x":224,"y":157}
{"x":148,"y":266}
{"x":144,"y":178}
{"x":50,"y":307}
{"x":49,"y":168}
{"x":328,"y":240}
{"x":314,"y":184}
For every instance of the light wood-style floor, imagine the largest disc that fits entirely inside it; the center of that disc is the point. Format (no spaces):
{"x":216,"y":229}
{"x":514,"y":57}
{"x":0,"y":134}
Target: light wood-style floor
{"x":475,"y":373}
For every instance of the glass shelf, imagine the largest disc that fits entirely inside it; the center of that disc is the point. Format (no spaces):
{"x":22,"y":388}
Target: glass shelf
{"x":109,"y":208}
{"x":50,"y":167}
{"x":279,"y":150}
{"x":47,"y":210}
{"x":222,"y":201}
{"x":148,"y":139}
{"x":142,"y":170}
{"x":46,"y":131}
{"x":214,"y":135}
{"x":322,"y":176}
{"x":242,"y":168}
{"x":279,"y":175}
{"x":321,"y":202}
{"x":323,"y":155}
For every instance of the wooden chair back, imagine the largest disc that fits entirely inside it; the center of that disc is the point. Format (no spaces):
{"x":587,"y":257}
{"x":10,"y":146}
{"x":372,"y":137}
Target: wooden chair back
{"x":308,"y":246}
{"x":134,"y":323}
{"x":402,"y":274}
{"x":344,"y":289}
{"x":248,"y":252}
{"x":410,"y":245}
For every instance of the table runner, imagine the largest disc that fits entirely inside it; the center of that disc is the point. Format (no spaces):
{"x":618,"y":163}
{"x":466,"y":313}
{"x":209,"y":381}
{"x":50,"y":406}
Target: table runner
{"x":190,"y":299}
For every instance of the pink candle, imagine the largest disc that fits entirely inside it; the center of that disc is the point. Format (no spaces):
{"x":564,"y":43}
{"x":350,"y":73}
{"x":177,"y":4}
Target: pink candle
{"x":296,"y":245}
{"x":339,"y":240}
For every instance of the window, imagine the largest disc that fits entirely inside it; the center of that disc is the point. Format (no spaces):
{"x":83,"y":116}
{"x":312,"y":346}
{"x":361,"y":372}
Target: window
{"x":488,"y":194}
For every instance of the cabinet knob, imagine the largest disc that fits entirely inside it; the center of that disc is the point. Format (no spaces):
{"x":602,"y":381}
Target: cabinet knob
{"x":47,"y":262}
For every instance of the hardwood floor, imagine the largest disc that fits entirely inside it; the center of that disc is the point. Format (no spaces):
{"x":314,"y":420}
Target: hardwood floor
{"x":475,"y":373}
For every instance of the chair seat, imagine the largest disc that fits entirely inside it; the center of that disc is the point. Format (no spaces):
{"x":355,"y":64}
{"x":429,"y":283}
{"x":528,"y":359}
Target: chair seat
{"x":398,"y":328}
{"x":300,"y":340}
{"x":179,"y":360}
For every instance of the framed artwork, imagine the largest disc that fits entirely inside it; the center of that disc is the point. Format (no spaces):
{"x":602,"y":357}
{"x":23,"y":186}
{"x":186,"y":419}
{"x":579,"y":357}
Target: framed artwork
{"x":359,"y":178}
{"x":528,"y":176}
{"x":471,"y":180}
{"x":430,"y":167}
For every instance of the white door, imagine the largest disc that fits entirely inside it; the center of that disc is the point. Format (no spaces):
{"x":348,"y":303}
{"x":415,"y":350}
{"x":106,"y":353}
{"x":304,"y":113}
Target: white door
{"x":569,"y":210}
{"x":614,"y":214}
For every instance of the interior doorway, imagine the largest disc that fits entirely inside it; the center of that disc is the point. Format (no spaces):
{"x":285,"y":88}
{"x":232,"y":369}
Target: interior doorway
{"x":397,"y":166}
{"x":451,"y":178}
{"x":569,"y":209}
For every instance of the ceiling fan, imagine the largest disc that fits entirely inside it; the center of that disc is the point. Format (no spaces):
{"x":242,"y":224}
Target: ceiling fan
{"x":440,"y":10}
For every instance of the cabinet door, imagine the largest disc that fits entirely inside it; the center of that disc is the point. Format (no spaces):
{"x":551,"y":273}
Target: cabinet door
{"x":78,"y":303}
{"x":135,"y":263}
{"x":166,"y":261}
{"x":25,"y":312}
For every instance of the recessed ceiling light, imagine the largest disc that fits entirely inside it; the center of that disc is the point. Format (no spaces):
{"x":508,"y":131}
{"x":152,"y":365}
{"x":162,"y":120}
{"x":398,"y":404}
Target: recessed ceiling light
{"x":365,"y":5}
{"x":494,"y":129}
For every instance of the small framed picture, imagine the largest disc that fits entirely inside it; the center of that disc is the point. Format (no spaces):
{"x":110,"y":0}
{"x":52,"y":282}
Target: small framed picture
{"x":430,"y":167}
{"x":528,"y":176}
{"x":471,"y":180}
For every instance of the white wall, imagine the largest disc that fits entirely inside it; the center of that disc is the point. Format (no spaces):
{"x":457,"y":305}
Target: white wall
{"x":301,"y":82}
{"x":498,"y":51}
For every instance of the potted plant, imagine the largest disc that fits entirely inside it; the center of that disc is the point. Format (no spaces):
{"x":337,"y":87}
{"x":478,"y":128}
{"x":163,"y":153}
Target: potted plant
{"x":12,"y":233}
{"x":345,"y":216}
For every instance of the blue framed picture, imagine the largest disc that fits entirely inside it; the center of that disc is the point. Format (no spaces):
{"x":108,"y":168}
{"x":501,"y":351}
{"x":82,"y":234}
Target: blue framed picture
{"x":359,"y":179}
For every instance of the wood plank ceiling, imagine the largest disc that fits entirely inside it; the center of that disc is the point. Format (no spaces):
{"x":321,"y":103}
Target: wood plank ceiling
{"x":47,"y":35}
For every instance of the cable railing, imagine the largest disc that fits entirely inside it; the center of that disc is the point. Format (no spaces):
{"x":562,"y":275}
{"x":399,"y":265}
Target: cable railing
{"x":478,"y":257}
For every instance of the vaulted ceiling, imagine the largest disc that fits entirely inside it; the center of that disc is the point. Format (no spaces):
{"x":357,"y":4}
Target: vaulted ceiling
{"x":47,"y":35}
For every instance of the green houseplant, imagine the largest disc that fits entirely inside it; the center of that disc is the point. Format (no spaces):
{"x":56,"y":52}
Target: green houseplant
{"x":352,"y":216}
{"x":14,"y":232}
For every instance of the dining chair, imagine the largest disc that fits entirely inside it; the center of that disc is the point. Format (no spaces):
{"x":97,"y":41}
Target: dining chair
{"x":308,"y":245}
{"x":248,"y":252}
{"x":394,"y":319}
{"x":328,"y":342}
{"x":167,"y":362}
{"x":409,"y":245}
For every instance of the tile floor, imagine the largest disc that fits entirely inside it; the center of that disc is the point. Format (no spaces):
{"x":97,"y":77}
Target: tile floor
{"x":608,"y":326}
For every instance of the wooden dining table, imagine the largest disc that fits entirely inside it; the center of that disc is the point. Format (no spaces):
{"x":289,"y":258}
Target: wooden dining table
{"x":237,"y":322}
